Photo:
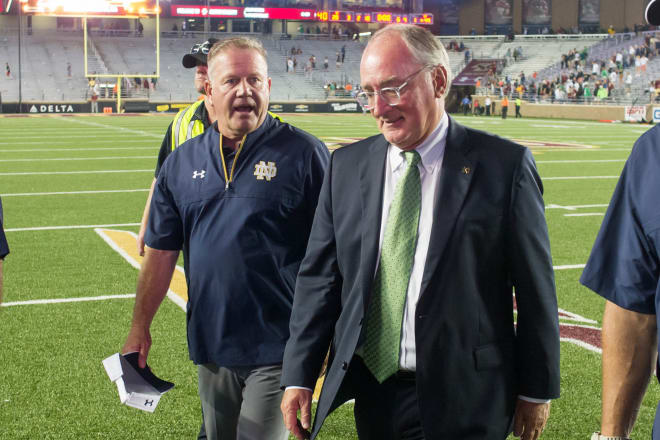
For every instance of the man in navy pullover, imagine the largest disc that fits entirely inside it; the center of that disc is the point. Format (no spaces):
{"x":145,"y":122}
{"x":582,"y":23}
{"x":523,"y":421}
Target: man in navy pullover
{"x":239,"y":200}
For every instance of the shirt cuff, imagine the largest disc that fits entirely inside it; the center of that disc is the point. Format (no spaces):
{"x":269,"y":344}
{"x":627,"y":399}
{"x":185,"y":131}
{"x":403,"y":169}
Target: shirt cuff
{"x":294,"y":387}
{"x":533,"y":400}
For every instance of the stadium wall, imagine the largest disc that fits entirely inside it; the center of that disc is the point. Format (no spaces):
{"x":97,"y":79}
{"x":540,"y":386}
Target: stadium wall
{"x":589,"y":112}
{"x":143,"y":106}
{"x":471,"y":14}
{"x":618,"y":13}
{"x":564,"y":14}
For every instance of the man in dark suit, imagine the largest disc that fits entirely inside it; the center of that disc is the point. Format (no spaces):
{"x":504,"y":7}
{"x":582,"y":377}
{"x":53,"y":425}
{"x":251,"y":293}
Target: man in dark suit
{"x":420,"y":236}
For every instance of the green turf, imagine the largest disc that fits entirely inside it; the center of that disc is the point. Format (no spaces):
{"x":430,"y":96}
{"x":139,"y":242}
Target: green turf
{"x":52,"y":385}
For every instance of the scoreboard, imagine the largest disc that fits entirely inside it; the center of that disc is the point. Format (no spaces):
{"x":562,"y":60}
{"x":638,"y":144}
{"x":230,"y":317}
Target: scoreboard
{"x":300,"y":14}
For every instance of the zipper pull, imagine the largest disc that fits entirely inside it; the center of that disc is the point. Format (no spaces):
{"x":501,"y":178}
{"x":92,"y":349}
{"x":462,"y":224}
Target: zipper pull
{"x":227,"y":186}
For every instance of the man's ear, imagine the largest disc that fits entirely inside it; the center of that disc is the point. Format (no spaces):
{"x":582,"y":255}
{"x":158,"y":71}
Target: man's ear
{"x":207,"y":87}
{"x":439,"y":81}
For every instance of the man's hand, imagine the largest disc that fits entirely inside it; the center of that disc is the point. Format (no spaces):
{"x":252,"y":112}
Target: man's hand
{"x":295,"y":399}
{"x":529,"y":419}
{"x":138,"y":340}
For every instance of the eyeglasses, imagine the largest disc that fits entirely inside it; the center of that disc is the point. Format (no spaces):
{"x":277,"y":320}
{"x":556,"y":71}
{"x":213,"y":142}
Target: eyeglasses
{"x":202,"y":47}
{"x":391,"y":95}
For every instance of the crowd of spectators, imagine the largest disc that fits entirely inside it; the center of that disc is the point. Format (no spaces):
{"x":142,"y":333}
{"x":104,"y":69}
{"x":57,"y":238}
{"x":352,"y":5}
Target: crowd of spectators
{"x":580,"y":76}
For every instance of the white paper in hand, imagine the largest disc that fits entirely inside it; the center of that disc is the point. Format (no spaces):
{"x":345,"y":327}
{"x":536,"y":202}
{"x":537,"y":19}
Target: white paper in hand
{"x":138,"y":387}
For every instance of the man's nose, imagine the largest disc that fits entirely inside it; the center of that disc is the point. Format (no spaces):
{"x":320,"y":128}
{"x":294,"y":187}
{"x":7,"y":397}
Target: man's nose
{"x":380,"y":105}
{"x":244,"y":88}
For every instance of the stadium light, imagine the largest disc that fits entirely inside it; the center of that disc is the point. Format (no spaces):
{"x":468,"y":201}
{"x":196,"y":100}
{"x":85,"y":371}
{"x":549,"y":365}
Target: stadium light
{"x":83,"y":7}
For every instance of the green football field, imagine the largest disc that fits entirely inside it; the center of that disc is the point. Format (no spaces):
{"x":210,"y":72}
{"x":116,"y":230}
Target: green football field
{"x":69,"y":295}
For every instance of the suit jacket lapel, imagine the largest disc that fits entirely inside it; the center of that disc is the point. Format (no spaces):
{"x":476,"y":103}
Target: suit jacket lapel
{"x":372,"y":175}
{"x":458,"y":167}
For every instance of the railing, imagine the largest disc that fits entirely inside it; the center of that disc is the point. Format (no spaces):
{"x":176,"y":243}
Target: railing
{"x":642,"y":99}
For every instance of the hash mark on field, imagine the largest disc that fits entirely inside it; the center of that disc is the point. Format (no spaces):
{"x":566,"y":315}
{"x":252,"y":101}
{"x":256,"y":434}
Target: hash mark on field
{"x":57,"y":228}
{"x":66,"y":300}
{"x":34,"y":173}
{"x":75,"y":192}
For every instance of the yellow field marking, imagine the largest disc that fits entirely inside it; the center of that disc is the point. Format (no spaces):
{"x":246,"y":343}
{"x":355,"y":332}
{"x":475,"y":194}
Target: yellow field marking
{"x":124,"y":243}
{"x":317,"y":389}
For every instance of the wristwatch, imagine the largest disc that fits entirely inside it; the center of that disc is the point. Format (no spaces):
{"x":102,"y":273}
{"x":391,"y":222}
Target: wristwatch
{"x":597,"y":436}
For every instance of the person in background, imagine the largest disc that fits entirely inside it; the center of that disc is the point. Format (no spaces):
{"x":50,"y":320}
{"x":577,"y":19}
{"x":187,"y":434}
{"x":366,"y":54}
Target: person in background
{"x":4,"y":249}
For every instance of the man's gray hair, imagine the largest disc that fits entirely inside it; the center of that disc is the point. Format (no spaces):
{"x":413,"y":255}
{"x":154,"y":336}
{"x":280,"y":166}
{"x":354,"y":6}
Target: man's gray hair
{"x":423,"y":45}
{"x":237,"y":43}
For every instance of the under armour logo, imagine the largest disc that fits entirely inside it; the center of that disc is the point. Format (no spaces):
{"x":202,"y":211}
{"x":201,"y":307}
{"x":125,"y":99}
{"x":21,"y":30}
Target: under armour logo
{"x":199,"y":174}
{"x":267,"y":170}
{"x":148,"y":403}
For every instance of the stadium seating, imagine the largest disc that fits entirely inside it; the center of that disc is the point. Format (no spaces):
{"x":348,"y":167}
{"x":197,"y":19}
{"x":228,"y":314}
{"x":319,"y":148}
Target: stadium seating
{"x":45,"y":63}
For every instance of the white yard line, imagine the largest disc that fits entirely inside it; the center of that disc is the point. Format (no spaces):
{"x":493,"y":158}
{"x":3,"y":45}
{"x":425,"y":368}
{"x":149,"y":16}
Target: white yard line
{"x":56,"y":228}
{"x":582,"y":161}
{"x":34,"y":173}
{"x":66,"y":300}
{"x":575,"y":207}
{"x":585,"y":214}
{"x":579,"y":150}
{"x":112,"y":127}
{"x":88,"y":141}
{"x":579,"y":177}
{"x":569,"y":266}
{"x":73,"y":192}
{"x":79,"y":158}
{"x":41,"y":150}
{"x":575,"y":317}
{"x":582,"y":344}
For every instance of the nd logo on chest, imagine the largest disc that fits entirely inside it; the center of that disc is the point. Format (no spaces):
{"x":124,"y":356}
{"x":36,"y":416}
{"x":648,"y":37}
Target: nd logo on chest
{"x":265,"y":170}
{"x":262,"y":170}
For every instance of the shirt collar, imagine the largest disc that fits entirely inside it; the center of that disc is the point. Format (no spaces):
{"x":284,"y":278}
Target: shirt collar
{"x":430,"y":151}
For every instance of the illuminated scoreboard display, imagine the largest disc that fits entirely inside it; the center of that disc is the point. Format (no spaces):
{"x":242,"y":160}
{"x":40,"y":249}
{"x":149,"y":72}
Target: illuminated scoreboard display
{"x":374,"y":17}
{"x":299,"y":14}
{"x":243,"y":12}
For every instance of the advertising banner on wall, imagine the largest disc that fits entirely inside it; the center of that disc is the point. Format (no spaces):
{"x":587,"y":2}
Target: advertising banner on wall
{"x":537,"y":12}
{"x":656,"y":115}
{"x":636,"y":113}
{"x":499,"y":12}
{"x":589,"y":12}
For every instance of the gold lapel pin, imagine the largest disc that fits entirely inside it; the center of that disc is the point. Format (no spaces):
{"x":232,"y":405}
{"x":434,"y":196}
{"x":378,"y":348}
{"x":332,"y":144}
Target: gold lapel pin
{"x":466,"y":170}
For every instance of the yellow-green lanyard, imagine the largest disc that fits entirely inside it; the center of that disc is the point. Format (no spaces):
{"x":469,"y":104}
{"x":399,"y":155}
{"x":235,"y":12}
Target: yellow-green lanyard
{"x":230,"y":178}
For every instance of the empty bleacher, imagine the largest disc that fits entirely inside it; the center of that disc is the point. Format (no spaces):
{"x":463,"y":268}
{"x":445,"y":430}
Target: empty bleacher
{"x":47,"y":54}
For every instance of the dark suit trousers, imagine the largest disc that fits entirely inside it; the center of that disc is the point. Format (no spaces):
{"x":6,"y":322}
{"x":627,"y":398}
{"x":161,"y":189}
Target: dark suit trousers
{"x":386,"y":411}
